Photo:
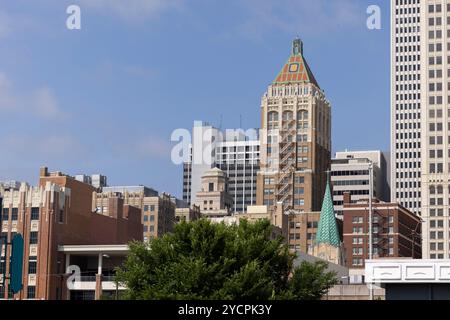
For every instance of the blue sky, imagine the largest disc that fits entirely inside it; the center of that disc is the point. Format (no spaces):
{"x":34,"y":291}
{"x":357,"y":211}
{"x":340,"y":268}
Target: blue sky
{"x":106,"y":98}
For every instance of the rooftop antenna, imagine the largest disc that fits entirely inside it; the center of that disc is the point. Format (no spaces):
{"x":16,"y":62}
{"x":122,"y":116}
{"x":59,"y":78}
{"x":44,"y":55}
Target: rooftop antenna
{"x":220,"y":122}
{"x":240,"y":121}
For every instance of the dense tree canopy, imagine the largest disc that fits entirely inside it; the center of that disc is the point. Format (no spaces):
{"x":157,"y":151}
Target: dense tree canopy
{"x":206,"y":261}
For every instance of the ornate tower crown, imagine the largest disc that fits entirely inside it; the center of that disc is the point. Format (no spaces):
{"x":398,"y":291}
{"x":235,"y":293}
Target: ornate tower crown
{"x":296,"y":69}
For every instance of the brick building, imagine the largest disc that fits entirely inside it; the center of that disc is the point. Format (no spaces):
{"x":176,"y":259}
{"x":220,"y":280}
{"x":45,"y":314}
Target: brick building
{"x":157,"y":211}
{"x":396,"y":231}
{"x":58,"y":212}
{"x":303,"y":230}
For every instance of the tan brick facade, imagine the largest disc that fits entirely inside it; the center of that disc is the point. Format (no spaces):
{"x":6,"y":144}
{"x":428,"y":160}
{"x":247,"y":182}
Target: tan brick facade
{"x":295,"y":144}
{"x":157,"y":213}
{"x":58,"y":212}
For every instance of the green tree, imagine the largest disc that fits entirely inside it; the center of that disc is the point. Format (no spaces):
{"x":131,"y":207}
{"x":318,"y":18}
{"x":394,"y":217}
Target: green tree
{"x":206,"y":261}
{"x":311,"y":281}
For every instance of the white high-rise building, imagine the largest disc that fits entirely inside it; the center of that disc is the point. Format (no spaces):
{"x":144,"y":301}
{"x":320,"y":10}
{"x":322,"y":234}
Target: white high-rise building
{"x":350,"y":173}
{"x":421,"y":116}
{"x":406,"y":104}
{"x":235,"y":152}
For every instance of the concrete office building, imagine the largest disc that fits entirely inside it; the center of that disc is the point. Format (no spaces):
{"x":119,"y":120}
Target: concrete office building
{"x":396,"y":231}
{"x":407,"y":19}
{"x":420,"y":117}
{"x":236,"y":153}
{"x":157,"y":211}
{"x":350,"y":173}
{"x":58,"y":212}
{"x":296,"y":152}
{"x":96,"y":180}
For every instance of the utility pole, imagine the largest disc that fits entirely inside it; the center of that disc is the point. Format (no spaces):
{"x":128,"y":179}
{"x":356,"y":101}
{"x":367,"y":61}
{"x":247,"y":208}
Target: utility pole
{"x":371,"y":221}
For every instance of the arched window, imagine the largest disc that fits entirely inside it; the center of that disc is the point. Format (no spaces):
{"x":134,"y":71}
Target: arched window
{"x":432,"y":190}
{"x":273,"y":116}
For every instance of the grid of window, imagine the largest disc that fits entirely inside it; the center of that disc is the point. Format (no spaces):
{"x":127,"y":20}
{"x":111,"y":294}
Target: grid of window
{"x":437,"y":53}
{"x":406,"y":104}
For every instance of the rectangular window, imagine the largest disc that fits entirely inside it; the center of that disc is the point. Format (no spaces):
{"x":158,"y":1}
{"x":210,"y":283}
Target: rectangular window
{"x":34,"y":213}
{"x":33,"y":237}
{"x":31,"y":292}
{"x":152,"y":217}
{"x":32,"y":267}
{"x":15,"y":214}
{"x":5,"y":214}
{"x":146,"y":208}
{"x":211,"y":187}
{"x":299,"y":180}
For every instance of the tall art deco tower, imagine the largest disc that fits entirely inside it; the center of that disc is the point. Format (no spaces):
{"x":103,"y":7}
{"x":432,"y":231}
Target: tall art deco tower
{"x":295,"y":140}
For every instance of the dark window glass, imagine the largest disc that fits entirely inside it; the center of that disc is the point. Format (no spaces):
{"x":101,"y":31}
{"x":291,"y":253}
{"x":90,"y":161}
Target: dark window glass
{"x":34,"y":213}
{"x":14,"y":214}
{"x":5,"y":214}
{"x":31,"y":292}
{"x":33,"y":237}
{"x":32,"y":267}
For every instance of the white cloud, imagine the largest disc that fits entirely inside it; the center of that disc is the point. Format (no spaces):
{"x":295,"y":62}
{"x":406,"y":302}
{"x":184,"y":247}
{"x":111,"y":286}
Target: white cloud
{"x":304,"y":17}
{"x":134,"y":9}
{"x":40,"y":102}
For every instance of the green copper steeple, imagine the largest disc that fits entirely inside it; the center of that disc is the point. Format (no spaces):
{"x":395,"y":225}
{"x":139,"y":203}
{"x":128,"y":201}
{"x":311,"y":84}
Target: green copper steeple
{"x":328,"y":232}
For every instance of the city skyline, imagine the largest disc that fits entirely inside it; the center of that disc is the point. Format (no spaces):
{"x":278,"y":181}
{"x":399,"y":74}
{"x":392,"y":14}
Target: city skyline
{"x":72,"y":104}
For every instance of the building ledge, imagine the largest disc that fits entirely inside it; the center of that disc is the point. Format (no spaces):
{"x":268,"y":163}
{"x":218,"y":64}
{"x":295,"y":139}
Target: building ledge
{"x":94,"y":249}
{"x":406,"y":271}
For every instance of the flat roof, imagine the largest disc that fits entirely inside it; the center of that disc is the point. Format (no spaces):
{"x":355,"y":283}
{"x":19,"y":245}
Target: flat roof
{"x":94,"y":249}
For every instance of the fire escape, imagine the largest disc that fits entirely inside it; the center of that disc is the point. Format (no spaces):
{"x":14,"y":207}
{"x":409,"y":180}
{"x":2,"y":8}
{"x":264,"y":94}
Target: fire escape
{"x":380,"y":224}
{"x":287,"y":164}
